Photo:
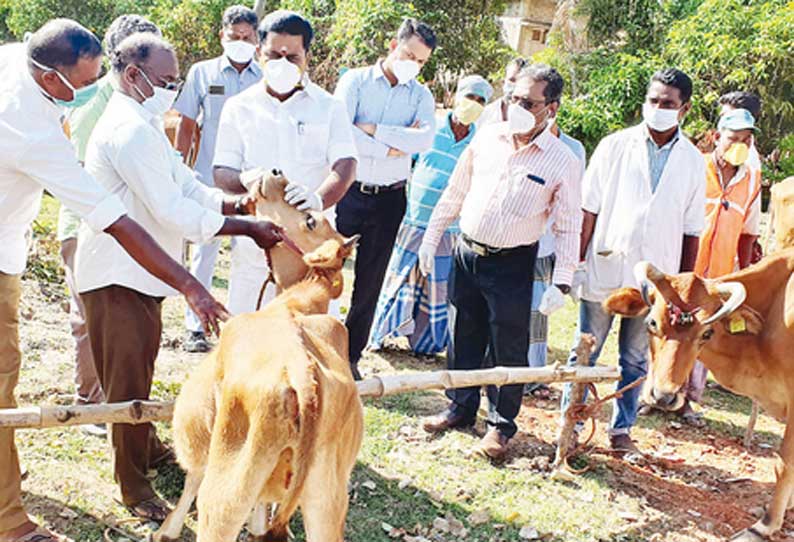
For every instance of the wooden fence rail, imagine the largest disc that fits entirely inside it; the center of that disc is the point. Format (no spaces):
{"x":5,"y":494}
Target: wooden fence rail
{"x":135,"y":412}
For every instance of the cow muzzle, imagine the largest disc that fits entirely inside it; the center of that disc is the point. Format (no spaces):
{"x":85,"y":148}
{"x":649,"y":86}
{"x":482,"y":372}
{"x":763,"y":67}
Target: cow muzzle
{"x":666,"y":400}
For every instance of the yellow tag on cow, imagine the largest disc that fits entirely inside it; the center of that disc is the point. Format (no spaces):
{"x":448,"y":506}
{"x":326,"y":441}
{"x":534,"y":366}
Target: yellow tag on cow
{"x":737,"y":324}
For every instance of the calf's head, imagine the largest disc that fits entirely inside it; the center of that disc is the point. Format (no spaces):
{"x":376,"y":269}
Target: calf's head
{"x":683,"y":313}
{"x":322,"y":246}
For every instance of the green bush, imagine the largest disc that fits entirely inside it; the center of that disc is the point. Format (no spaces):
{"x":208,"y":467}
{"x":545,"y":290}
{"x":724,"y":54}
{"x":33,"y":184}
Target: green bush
{"x":96,"y":15}
{"x":192,"y":27}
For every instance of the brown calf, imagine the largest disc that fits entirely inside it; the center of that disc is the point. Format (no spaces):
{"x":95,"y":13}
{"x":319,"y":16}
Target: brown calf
{"x":272,"y":416}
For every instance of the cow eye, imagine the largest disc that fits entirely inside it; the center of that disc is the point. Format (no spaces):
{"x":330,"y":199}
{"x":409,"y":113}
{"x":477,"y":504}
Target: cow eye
{"x":310,"y":222}
{"x":707,"y":334}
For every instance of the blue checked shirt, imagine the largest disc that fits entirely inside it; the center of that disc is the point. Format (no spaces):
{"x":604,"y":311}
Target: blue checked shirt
{"x":208,"y":85}
{"x":371,"y":99}
{"x":432,"y":172}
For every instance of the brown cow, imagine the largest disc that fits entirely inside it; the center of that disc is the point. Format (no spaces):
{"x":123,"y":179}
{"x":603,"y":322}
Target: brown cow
{"x":741,"y":326}
{"x":273,"y":416}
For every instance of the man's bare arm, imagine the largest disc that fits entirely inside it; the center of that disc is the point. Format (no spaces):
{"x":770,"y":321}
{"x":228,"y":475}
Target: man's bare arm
{"x":588,"y":227}
{"x":228,"y":180}
{"x":184,"y":136}
{"x":144,"y":249}
{"x":336,"y":185}
{"x":689,"y":253}
{"x":746,"y":243}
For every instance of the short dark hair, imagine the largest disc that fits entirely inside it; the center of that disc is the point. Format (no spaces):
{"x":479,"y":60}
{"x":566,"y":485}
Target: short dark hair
{"x":125,"y":26}
{"x":677,"y":79}
{"x":61,"y":43}
{"x":137,"y":49}
{"x":239,"y":14}
{"x":543,"y":72}
{"x":284,"y":21}
{"x":411,"y":27}
{"x":739,"y":99}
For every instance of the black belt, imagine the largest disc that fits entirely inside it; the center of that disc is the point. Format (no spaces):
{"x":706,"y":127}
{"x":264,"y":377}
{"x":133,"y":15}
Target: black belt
{"x":481,"y":249}
{"x":375,"y":189}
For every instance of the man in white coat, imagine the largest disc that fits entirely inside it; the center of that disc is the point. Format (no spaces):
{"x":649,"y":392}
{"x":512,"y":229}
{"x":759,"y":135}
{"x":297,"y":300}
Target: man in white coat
{"x":643,"y":198}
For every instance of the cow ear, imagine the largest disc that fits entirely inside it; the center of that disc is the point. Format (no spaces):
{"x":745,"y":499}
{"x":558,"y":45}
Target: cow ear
{"x":626,"y":302}
{"x":325,"y":256}
{"x":743,"y":321}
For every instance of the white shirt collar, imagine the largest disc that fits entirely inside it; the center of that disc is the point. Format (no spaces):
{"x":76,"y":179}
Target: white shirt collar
{"x":133,"y":106}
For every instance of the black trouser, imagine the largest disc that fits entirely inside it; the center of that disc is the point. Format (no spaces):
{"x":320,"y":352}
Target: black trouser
{"x":376,"y":217}
{"x":489,"y":310}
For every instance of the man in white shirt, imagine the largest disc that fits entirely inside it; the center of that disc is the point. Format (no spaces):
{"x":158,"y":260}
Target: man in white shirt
{"x":286,"y":123}
{"x":57,"y":69}
{"x":208,"y":85}
{"x":130,"y":155}
{"x":643,"y":199}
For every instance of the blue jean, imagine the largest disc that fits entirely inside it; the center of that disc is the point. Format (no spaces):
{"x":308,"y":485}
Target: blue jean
{"x":633,"y":359}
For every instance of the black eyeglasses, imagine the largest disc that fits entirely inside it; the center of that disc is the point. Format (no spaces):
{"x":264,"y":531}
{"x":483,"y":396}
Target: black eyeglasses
{"x":168,"y":85}
{"x":528,"y":104}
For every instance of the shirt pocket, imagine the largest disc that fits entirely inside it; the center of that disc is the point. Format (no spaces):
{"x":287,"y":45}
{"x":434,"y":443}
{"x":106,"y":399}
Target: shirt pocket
{"x":526,"y":195}
{"x":312,"y":142}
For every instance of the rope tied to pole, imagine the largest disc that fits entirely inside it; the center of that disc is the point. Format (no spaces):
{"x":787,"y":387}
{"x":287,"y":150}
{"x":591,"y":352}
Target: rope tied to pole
{"x":583,"y":412}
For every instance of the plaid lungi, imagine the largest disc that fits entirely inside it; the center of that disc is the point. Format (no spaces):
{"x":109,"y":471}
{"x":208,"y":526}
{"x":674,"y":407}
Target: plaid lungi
{"x":410,"y":304}
{"x":538,"y":322}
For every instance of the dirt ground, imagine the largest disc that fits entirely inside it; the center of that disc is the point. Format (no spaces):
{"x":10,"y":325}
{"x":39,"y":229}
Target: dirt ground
{"x":693,"y":484}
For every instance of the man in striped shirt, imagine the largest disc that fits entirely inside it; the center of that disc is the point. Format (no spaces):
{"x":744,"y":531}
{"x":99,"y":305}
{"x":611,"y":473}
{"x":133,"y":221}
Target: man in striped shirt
{"x":513,"y":177}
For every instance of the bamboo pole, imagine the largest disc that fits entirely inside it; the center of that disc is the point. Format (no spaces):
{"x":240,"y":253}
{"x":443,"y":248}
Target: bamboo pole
{"x":566,"y":440}
{"x":135,"y":412}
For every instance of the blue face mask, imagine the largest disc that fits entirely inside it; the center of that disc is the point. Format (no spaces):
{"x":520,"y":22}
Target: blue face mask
{"x":80,"y":96}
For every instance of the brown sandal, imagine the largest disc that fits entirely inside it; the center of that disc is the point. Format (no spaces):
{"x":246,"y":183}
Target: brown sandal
{"x":154,"y":509}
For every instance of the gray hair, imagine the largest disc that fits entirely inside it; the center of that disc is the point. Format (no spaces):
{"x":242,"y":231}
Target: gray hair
{"x":239,"y":14}
{"x":137,"y":49}
{"x":125,"y":26}
{"x":542,"y":72}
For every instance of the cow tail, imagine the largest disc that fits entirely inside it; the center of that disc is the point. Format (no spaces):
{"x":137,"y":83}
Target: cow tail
{"x":306,"y":418}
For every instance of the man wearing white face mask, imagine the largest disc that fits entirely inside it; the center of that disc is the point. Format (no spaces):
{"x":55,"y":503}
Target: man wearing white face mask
{"x":131,"y":156}
{"x":207,"y":87}
{"x":286,"y":123}
{"x":643,"y":199}
{"x":393,"y":117}
{"x":496,"y":111}
{"x":508,"y":183}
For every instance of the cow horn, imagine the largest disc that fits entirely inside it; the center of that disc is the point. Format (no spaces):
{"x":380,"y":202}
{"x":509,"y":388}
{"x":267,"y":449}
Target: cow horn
{"x":350,"y":242}
{"x":736,"y":295}
{"x":641,"y":272}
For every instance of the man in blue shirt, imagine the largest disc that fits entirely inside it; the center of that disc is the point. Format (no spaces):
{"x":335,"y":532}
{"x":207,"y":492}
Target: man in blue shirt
{"x":393,"y":117}
{"x":207,"y":87}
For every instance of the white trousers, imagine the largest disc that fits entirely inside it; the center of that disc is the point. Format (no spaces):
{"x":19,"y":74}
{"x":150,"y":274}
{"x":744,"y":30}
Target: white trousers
{"x":202,"y":266}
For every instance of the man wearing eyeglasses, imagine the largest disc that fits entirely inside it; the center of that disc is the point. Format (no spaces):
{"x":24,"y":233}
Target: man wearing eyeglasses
{"x":507,"y":184}
{"x":130,"y":155}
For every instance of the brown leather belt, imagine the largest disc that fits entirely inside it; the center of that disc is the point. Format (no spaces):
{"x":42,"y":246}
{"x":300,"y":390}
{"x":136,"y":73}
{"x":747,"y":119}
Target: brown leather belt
{"x":375,"y":189}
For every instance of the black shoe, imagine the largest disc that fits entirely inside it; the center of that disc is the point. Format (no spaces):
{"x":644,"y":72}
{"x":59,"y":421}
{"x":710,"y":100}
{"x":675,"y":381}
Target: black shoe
{"x":446,"y":420}
{"x":354,"y":371}
{"x":196,"y":341}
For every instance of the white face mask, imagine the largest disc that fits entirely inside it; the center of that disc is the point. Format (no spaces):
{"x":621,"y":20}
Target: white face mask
{"x":519,"y":120}
{"x":405,"y":70}
{"x":659,"y":120}
{"x":239,"y":51}
{"x":281,"y":75}
{"x":158,"y":103}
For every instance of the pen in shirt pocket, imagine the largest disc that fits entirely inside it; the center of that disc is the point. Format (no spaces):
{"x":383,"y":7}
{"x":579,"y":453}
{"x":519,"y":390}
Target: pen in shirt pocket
{"x":301,"y":126}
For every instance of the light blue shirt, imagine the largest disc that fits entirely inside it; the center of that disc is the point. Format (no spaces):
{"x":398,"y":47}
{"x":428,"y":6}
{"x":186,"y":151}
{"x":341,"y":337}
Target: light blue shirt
{"x":371,"y":99}
{"x":576,"y":146}
{"x":431,"y":174}
{"x":208,"y":85}
{"x":657,"y":158}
